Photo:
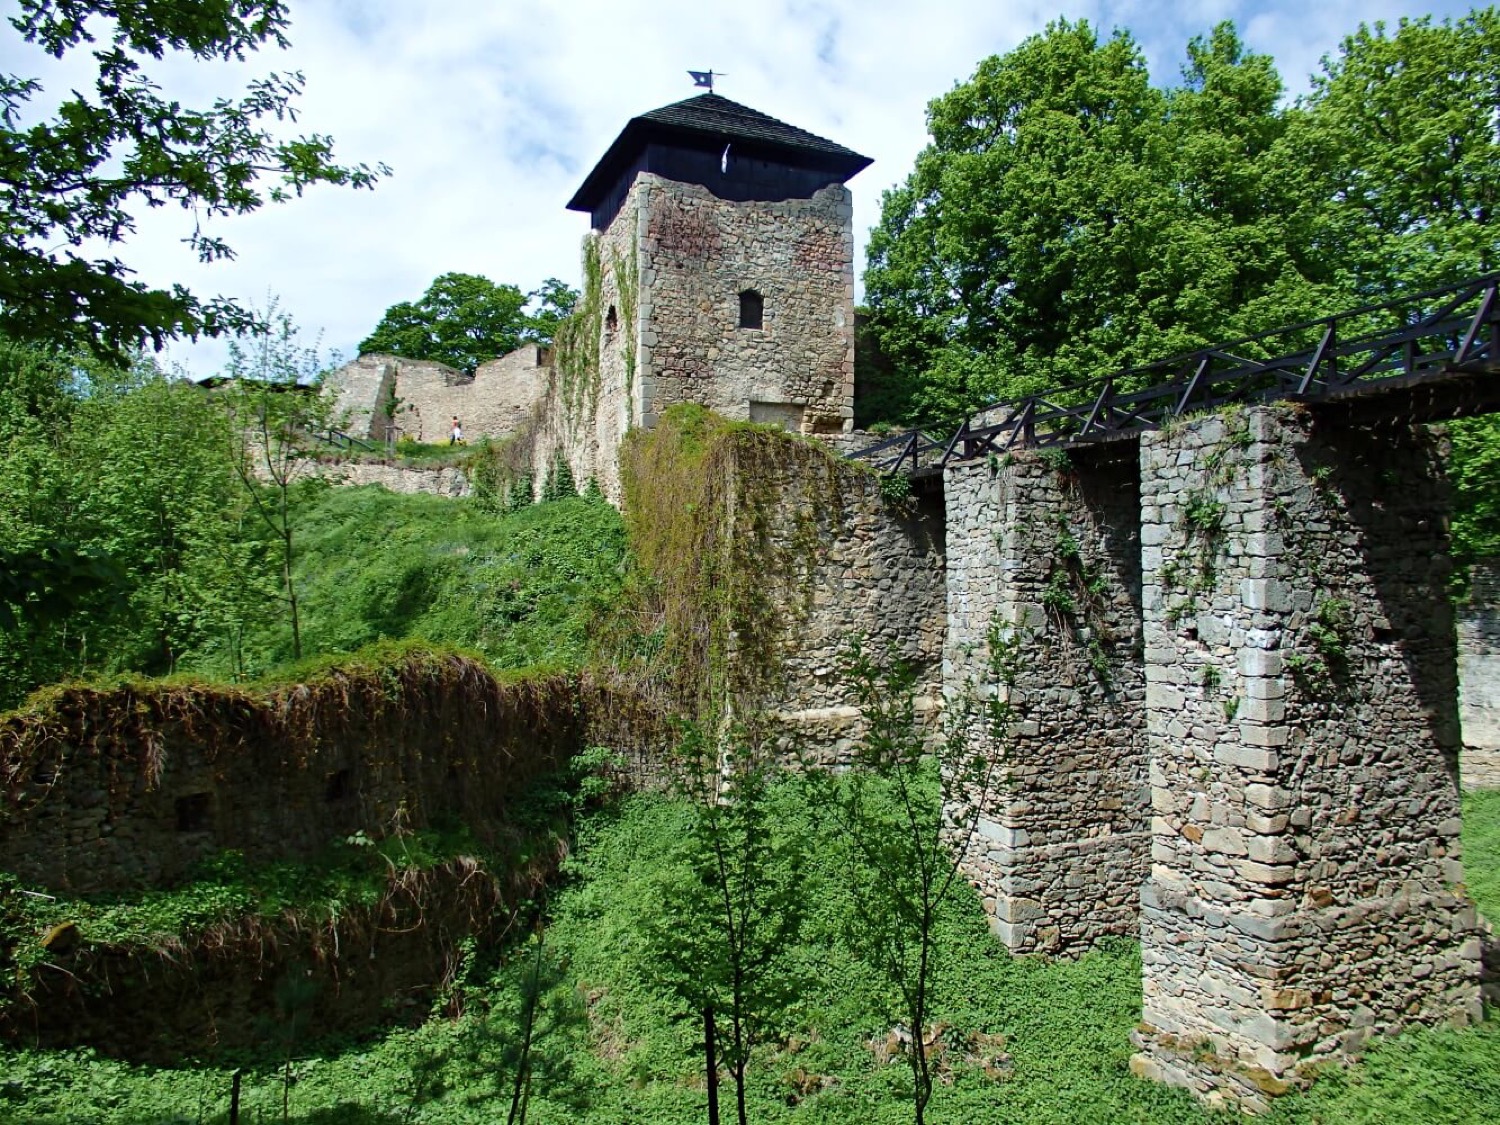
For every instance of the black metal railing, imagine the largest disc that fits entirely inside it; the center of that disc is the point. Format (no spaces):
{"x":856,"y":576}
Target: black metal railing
{"x":1437,"y":333}
{"x":340,"y":440}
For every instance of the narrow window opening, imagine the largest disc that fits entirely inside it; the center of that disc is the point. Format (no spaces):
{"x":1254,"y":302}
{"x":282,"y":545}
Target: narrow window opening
{"x":338,"y":788}
{"x":193,"y":812}
{"x":611,"y":322}
{"x":752,"y":309}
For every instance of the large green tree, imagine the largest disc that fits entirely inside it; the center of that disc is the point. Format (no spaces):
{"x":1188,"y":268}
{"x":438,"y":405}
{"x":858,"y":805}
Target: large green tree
{"x":1401,"y":144}
{"x":73,"y":181}
{"x":1069,"y":216}
{"x":464,"y":319}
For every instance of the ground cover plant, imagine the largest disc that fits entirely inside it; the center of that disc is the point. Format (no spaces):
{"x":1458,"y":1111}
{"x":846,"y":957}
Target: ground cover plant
{"x":1022,"y":1041}
{"x":521,"y":588}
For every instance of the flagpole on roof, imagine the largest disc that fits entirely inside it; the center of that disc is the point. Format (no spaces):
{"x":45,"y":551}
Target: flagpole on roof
{"x":705,"y":78}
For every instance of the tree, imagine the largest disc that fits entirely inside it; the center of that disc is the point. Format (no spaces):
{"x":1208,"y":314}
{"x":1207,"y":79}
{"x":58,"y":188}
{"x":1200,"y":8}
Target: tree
{"x":553,"y":303}
{"x":464,"y":319}
{"x":276,"y":406}
{"x":157,"y":495}
{"x":126,"y":546}
{"x":732,"y":905}
{"x":907,"y":812}
{"x":78,"y":178}
{"x":1069,"y":218}
{"x":1401,"y":144}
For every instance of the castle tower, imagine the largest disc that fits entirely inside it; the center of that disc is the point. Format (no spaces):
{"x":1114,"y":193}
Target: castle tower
{"x":722,"y":253}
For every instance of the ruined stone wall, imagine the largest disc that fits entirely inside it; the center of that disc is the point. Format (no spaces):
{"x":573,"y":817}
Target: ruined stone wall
{"x":1306,"y":879}
{"x":362,"y":390}
{"x":697,"y":254}
{"x":837,"y":560}
{"x":433,"y":481}
{"x":129,"y":788}
{"x":1044,"y":555}
{"x":383,"y":397}
{"x":1479,"y":678}
{"x":588,"y":400}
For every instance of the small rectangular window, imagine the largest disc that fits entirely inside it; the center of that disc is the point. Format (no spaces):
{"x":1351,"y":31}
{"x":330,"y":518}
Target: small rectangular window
{"x":752,"y":309}
{"x":194,"y":813}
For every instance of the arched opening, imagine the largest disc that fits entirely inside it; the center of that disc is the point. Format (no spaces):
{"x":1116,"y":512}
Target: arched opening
{"x":611,"y":323}
{"x":752,"y":309}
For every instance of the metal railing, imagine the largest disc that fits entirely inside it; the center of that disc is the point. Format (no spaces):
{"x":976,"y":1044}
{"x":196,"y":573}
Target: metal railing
{"x":1437,"y":333}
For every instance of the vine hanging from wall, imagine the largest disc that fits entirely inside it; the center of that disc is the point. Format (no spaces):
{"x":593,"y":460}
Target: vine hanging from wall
{"x":575,"y":347}
{"x":627,"y":273}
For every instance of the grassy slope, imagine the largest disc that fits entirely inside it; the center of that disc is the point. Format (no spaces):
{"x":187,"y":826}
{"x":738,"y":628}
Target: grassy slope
{"x":521,"y":589}
{"x":1065,"y":1027}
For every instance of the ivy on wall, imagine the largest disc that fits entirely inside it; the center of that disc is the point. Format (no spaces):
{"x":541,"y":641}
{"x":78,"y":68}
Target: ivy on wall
{"x":627,"y":273}
{"x":575,"y":348}
{"x":726,"y":521}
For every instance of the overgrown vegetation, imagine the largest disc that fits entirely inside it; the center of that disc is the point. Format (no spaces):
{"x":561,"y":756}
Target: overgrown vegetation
{"x":705,"y":613}
{"x":1019,"y":1041}
{"x":523,"y":589}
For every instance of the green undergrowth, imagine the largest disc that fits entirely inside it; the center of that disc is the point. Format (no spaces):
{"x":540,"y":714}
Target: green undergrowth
{"x":353,"y":872}
{"x":1024,"y":1041}
{"x":406,"y":452}
{"x":520,"y":589}
{"x":1482,"y":850}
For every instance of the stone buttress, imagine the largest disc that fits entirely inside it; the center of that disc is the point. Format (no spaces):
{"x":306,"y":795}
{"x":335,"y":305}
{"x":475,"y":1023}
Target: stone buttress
{"x":1305,"y":888}
{"x":1044,"y":551}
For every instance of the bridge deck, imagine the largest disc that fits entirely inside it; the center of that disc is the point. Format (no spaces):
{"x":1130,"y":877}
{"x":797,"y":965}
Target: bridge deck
{"x":1428,"y":357}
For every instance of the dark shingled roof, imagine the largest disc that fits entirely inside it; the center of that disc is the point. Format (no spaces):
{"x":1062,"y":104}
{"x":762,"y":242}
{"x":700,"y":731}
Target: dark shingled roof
{"x":709,"y":121}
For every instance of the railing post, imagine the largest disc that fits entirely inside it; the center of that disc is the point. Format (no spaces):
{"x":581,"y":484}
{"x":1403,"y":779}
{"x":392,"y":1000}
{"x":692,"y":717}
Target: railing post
{"x":1486,"y":315}
{"x":1324,"y":348}
{"x":1101,"y":404}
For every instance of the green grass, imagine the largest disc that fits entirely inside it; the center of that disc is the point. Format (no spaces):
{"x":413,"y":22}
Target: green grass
{"x":355,"y":871}
{"x":1482,"y":850}
{"x":521,"y":589}
{"x":614,"y":1047}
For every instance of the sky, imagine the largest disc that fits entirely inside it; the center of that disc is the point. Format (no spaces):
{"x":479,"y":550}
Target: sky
{"x":490,"y":113}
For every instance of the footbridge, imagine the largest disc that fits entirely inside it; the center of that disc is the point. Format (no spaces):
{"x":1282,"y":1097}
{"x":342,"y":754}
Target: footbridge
{"x":1225,"y":581}
{"x":1425,"y":355}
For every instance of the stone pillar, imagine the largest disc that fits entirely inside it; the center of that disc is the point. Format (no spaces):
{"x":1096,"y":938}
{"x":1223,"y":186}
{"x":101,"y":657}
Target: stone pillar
{"x":1306,"y":887}
{"x":1045,"y":550}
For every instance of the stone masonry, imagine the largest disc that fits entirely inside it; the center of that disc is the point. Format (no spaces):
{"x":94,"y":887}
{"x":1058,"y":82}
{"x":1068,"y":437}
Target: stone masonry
{"x":1479,"y":677}
{"x":857,"y":565}
{"x":1044,"y":554}
{"x":687,"y":256}
{"x":1306,"y":887}
{"x":698,"y":253}
{"x":382,"y":397}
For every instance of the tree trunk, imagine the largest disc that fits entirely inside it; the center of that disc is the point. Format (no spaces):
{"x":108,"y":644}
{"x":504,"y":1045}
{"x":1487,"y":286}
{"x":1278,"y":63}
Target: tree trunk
{"x":711,"y":1065}
{"x":291,"y":589}
{"x":234,"y":1097}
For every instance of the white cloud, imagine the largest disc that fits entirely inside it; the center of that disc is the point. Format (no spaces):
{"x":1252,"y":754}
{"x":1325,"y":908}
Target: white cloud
{"x":490,"y":114}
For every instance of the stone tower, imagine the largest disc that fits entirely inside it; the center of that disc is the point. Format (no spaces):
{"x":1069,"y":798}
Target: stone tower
{"x":722,"y":255}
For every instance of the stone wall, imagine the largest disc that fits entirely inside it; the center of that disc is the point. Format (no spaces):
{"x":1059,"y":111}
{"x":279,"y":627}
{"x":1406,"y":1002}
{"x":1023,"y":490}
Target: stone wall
{"x":382,"y":397}
{"x":838,"y":560}
{"x":586,"y":412}
{"x":1479,"y":677}
{"x":1044,"y":554}
{"x":1306,"y":879}
{"x":362,"y":391}
{"x":434,"y":481}
{"x":127,"y":789}
{"x":698,"y":253}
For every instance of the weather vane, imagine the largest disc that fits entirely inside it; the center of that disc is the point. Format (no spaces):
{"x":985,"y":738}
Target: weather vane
{"x":705,"y":78}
